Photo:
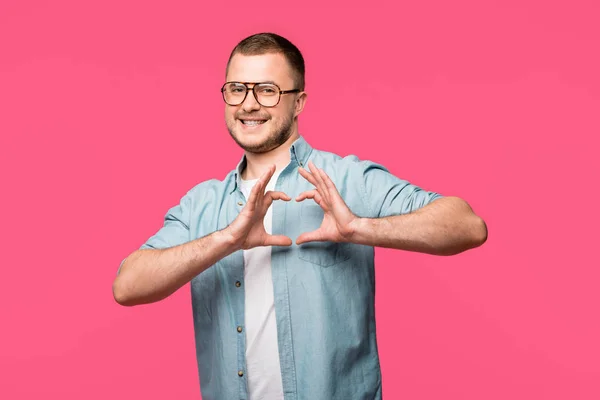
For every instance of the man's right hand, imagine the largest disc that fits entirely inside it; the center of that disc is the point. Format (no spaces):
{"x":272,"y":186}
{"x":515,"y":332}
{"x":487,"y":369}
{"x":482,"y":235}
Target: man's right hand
{"x":248,"y":229}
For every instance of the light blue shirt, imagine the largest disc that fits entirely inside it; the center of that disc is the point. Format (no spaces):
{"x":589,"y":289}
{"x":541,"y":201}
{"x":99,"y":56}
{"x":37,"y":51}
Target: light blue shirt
{"x":324,"y":292}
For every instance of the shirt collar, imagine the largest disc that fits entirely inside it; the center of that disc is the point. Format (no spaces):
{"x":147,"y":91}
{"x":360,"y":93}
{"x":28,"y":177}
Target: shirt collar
{"x":299,"y":152}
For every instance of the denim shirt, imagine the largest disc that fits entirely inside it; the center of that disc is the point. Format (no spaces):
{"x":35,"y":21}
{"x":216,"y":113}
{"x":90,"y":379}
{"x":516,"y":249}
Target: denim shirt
{"x":324,"y":292}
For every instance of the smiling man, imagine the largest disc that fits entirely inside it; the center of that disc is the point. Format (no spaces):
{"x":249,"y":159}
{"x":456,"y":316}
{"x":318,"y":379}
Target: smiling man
{"x":280,"y":254}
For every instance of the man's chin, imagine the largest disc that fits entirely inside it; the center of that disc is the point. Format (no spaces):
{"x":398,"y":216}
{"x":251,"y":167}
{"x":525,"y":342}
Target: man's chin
{"x":263,"y":139}
{"x":254,"y":142}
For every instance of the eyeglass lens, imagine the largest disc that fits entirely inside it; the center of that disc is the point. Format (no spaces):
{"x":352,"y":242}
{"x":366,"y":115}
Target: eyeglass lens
{"x":265,"y":93}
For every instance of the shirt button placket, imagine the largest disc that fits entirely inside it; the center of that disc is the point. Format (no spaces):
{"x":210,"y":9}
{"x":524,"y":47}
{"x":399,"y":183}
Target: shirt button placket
{"x":240,"y":203}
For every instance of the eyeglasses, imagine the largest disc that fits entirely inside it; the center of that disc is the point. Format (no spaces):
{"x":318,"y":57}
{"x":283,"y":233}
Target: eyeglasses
{"x":266,"y":94}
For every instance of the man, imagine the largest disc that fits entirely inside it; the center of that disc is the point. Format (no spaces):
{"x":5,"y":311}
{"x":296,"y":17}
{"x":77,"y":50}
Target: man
{"x":277,"y":318}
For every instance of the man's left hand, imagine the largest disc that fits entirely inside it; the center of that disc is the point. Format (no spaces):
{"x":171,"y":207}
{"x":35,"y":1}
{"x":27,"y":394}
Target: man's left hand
{"x":338,"y":222}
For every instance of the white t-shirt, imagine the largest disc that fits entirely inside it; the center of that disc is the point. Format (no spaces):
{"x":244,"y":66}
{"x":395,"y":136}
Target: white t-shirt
{"x":262,"y":352}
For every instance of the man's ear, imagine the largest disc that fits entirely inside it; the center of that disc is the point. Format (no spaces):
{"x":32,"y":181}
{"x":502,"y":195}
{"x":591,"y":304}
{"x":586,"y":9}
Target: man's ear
{"x":299,"y":104}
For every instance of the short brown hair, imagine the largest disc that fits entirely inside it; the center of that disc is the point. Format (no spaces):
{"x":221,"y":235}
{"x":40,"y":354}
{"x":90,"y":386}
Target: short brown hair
{"x":263,"y":43}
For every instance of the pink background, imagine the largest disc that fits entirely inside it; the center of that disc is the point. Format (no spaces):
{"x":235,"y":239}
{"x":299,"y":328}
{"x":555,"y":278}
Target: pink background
{"x":110,"y":112}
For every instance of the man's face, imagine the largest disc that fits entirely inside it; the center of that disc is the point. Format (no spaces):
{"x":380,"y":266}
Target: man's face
{"x":275,"y":124}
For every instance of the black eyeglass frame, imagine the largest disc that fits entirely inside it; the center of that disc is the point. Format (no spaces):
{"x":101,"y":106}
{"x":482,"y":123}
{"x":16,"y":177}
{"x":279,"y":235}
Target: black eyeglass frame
{"x":254,"y":92}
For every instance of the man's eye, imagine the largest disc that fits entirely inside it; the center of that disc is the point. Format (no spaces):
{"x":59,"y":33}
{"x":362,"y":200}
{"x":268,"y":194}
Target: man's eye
{"x":267,"y":90}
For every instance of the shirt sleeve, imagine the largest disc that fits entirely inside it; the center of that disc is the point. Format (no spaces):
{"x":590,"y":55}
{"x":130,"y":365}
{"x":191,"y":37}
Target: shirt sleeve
{"x":387,"y":195}
{"x":175,"y":229}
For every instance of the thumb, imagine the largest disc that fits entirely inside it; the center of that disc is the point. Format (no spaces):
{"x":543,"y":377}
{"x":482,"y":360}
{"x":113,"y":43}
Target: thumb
{"x":278,"y":240}
{"x":314,"y":236}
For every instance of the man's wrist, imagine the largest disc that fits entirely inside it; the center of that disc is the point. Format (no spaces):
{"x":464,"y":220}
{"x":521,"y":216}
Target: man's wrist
{"x":358,"y":228}
{"x":227,"y":239}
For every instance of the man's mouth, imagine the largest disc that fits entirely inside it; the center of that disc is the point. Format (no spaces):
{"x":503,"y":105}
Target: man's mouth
{"x":253,"y":122}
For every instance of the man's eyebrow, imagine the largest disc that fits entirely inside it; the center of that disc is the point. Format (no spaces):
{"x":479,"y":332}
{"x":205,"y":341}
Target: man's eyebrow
{"x":256,"y":83}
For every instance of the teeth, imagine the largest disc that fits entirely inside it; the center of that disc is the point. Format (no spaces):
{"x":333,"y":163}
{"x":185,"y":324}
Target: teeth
{"x":252,"y":123}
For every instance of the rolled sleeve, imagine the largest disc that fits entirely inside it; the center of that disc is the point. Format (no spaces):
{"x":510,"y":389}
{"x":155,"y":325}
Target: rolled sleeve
{"x":175,"y":229}
{"x":388,"y":195}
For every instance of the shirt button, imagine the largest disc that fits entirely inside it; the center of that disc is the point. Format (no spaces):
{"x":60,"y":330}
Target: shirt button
{"x":241,"y":373}
{"x":239,"y":329}
{"x":240,"y":203}
{"x":238,"y":283}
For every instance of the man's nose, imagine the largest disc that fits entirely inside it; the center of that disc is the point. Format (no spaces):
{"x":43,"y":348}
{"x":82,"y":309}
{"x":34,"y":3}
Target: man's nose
{"x":250,"y":102}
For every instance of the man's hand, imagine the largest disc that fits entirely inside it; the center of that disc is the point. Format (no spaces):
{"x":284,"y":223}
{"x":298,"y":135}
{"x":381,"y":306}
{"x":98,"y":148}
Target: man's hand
{"x":339,"y":223}
{"x":248,"y":229}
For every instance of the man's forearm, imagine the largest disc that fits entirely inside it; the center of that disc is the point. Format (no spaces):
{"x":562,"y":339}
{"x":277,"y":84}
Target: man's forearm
{"x":446,"y":226}
{"x":150,"y":275}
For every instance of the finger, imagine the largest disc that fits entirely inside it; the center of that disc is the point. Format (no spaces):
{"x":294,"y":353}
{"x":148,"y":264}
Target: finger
{"x":278,"y":240}
{"x":331,"y":189}
{"x":311,"y":194}
{"x":266,"y":177}
{"x":251,"y":203}
{"x":308,"y":176}
{"x":270,"y":173}
{"x":320,"y":184}
{"x":315,"y":173}
{"x":275,"y":195}
{"x":270,"y":196}
{"x":262,"y":183}
{"x":255,"y":195}
{"x":314,"y":236}
{"x":258,"y":189}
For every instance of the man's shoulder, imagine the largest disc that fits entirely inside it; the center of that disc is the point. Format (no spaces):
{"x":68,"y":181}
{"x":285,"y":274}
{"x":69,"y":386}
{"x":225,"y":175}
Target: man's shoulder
{"x":337,"y":161}
{"x":212,"y":187}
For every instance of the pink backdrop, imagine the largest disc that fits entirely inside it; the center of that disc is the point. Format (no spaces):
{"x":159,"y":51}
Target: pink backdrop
{"x":110,"y":112}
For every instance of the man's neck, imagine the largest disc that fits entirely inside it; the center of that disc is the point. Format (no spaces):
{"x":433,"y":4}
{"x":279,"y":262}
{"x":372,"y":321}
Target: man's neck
{"x":257,"y":164}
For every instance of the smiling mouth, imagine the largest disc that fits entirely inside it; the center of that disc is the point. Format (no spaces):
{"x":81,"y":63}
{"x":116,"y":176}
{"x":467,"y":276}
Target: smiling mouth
{"x":248,"y":122}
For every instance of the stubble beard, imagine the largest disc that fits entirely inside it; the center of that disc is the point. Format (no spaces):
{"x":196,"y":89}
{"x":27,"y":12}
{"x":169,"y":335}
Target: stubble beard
{"x":276,"y":138}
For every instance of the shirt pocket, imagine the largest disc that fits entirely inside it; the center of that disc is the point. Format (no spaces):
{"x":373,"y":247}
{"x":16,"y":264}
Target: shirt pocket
{"x":325,"y":254}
